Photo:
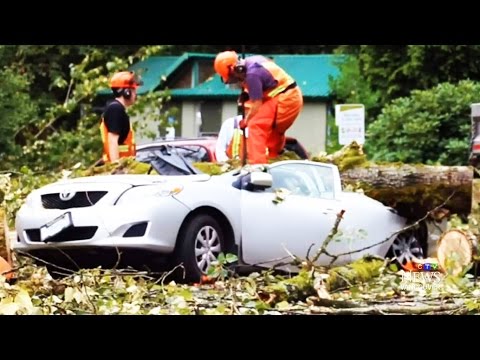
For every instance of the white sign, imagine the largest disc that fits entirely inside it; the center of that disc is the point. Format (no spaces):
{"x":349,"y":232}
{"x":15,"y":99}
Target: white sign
{"x":350,"y":119}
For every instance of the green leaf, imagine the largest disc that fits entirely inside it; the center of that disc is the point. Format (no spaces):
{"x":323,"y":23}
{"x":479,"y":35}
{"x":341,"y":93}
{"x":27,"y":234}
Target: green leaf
{"x":23,"y":299}
{"x":221,"y":258}
{"x":221,"y":309}
{"x":110,"y":65}
{"x":282,"y":305}
{"x":261,"y":305}
{"x":60,"y":82}
{"x":393,"y":267}
{"x":231,"y":258}
{"x":250,"y":286}
{"x":212,"y":271}
{"x":187,"y":294}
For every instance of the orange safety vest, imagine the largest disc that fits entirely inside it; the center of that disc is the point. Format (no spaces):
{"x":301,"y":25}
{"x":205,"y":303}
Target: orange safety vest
{"x":128,"y":148}
{"x":283,"y":79}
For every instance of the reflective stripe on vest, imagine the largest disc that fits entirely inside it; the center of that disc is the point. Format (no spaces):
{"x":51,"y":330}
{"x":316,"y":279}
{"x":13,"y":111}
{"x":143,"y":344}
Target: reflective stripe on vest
{"x":234,"y":147}
{"x":237,"y":136}
{"x":284,"y":80}
{"x":128,"y":148}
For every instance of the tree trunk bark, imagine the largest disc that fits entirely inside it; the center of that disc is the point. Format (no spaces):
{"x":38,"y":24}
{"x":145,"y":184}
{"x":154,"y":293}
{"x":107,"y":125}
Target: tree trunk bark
{"x":3,"y":235}
{"x":414,"y":189}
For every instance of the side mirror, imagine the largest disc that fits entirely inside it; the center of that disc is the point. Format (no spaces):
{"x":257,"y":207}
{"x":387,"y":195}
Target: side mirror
{"x":261,"y":179}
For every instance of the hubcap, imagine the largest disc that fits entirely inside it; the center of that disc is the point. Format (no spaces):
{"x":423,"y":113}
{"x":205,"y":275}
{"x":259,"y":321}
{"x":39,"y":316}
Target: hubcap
{"x":406,"y":248}
{"x":207,"y":247}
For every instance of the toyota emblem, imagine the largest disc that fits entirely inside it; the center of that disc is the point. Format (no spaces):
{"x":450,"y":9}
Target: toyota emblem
{"x":66,"y":195}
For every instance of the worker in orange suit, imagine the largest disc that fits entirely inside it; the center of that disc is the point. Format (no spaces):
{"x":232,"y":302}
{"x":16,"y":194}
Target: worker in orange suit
{"x":275,"y":98}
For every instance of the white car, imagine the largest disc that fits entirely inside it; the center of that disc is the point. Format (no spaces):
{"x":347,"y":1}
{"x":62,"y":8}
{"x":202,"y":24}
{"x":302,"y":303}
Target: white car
{"x":193,"y":218}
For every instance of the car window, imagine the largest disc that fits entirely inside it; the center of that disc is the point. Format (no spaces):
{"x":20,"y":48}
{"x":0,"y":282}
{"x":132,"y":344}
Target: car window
{"x":304,"y":180}
{"x":192,"y":153}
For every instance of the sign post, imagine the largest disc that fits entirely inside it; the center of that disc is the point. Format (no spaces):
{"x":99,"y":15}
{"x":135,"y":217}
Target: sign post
{"x":350,"y":119}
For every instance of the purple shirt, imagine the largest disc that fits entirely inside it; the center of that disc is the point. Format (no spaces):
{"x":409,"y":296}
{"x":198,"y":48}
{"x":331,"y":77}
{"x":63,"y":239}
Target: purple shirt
{"x":258,"y":78}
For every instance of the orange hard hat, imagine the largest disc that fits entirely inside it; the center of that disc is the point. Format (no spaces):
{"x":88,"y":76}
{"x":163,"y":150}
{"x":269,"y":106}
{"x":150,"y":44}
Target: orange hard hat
{"x":125,"y":80}
{"x":224,"y":62}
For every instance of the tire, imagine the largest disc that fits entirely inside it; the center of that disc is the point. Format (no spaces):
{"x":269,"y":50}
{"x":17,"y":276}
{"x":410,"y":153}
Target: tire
{"x":199,"y":243}
{"x":409,"y":245}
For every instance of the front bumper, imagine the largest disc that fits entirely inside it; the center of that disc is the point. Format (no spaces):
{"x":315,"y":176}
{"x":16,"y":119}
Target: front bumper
{"x":137,"y":226}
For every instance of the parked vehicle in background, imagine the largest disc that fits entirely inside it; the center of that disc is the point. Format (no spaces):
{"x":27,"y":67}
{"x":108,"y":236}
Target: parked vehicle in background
{"x":202,"y":149}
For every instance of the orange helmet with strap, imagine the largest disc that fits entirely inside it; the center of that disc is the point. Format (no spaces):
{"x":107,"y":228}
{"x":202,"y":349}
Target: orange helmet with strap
{"x":125,"y":80}
{"x":224,"y":62}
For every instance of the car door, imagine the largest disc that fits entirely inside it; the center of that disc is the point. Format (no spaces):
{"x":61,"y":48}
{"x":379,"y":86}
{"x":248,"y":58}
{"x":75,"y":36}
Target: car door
{"x":270,"y":231}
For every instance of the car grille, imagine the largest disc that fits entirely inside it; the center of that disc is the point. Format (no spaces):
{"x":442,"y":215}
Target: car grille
{"x":68,"y":234}
{"x":81,"y":199}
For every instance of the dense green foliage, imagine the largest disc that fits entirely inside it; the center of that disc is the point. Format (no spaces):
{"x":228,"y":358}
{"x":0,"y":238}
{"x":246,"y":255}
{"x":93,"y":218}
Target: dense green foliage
{"x":430,"y":126}
{"x":46,"y":102}
{"x":396,"y":70}
{"x":16,"y":108}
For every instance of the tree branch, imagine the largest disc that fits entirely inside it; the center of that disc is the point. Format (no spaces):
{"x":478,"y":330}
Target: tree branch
{"x":333,"y":232}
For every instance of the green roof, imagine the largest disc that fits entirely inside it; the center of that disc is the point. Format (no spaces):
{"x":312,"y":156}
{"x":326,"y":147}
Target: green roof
{"x":212,"y":88}
{"x":155,"y":68}
{"x":311,"y":72}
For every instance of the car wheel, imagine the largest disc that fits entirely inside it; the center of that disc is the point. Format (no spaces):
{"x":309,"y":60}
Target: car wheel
{"x":200,"y":243}
{"x":409,"y":245}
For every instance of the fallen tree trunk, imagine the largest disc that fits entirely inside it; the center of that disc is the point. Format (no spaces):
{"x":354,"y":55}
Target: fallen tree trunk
{"x":411,"y":189}
{"x":414,"y":189}
{"x":405,"y":175}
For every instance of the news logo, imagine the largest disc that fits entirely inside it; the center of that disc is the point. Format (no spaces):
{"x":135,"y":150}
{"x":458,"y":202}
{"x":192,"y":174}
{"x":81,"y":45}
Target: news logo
{"x":426,"y":266}
{"x":421,"y":280}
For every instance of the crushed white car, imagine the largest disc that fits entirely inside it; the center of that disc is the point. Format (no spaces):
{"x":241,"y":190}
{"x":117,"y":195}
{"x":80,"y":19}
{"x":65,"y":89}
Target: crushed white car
{"x":193,"y":218}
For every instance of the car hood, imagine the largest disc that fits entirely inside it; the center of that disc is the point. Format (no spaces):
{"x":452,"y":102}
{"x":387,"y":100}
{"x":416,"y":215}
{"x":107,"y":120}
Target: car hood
{"x":103,"y":188}
{"x":135,"y":180}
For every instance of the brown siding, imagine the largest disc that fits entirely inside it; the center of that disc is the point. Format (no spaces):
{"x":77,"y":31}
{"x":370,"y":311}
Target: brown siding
{"x":205,"y":70}
{"x":182,"y":80}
